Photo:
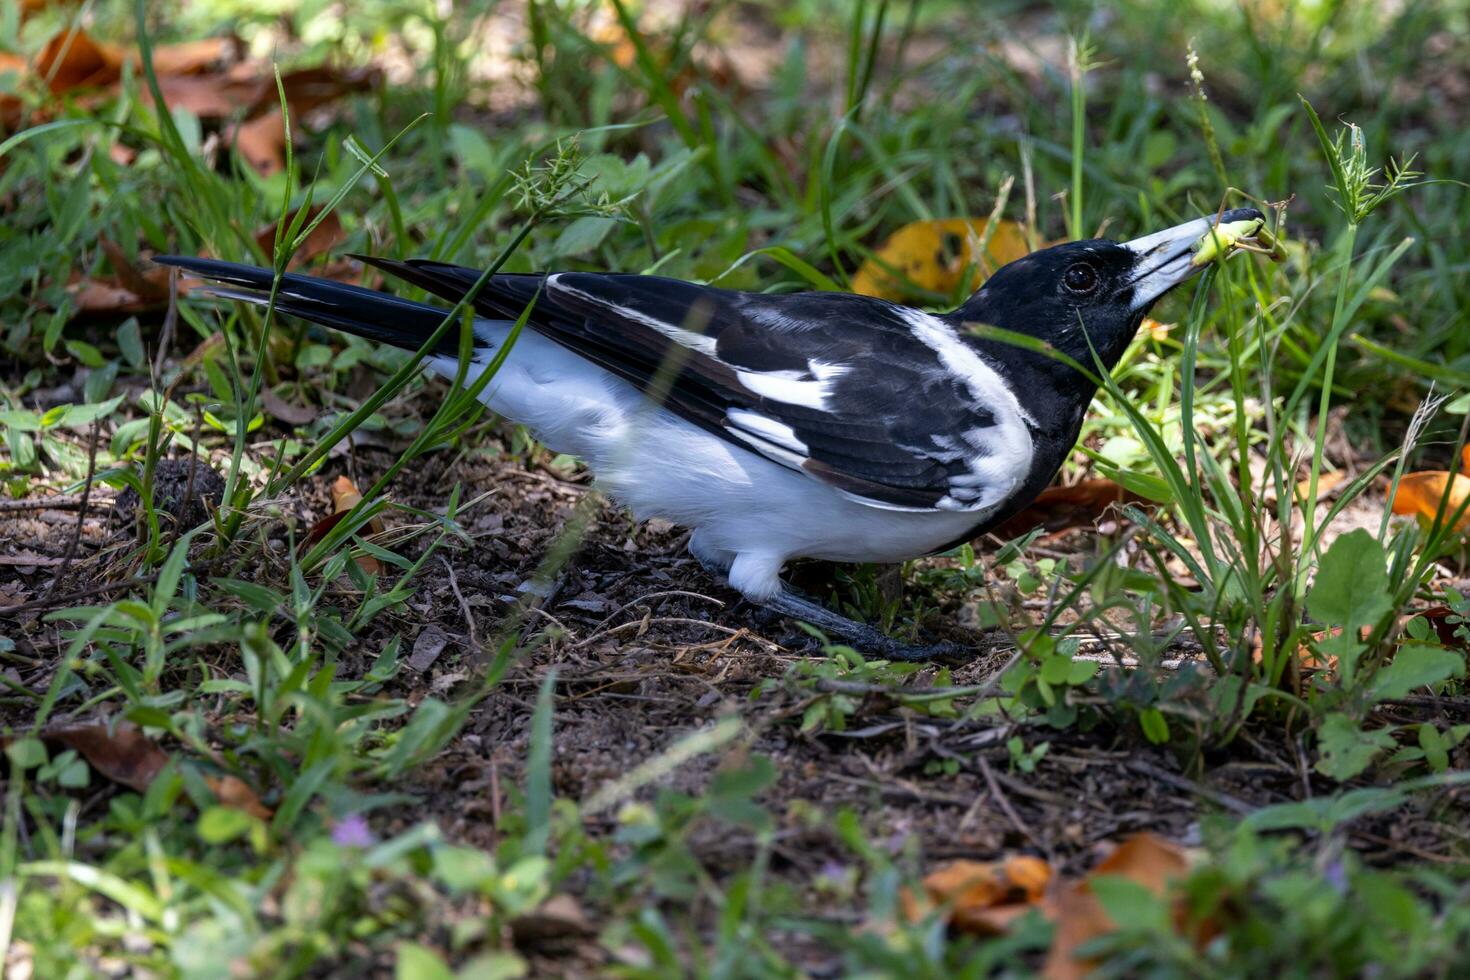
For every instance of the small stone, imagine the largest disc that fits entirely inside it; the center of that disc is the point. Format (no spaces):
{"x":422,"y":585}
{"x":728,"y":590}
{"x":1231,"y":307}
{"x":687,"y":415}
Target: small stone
{"x":430,"y":643}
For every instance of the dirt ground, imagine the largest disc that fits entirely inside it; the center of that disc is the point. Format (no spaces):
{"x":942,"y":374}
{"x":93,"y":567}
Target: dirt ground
{"x":647,"y":648}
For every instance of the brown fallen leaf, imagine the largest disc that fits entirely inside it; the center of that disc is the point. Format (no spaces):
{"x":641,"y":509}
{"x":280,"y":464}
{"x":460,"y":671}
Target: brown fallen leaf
{"x":236,"y":793}
{"x":559,"y":917}
{"x":1059,"y":509}
{"x":288,"y":412}
{"x":150,"y":285}
{"x":209,"y":96}
{"x":261,"y":142}
{"x":75,"y":60}
{"x":323,"y":238}
{"x":1326,"y":483}
{"x":345,"y":496}
{"x":122,"y":753}
{"x":938,"y":257}
{"x":980,"y":897}
{"x":72,"y":60}
{"x":1144,"y":859}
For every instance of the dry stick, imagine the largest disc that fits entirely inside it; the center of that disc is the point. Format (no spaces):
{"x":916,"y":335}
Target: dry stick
{"x":11,"y":611}
{"x":1005,"y":805}
{"x":61,"y":501}
{"x":464,"y":607}
{"x":1223,"y":800}
{"x":76,"y":535}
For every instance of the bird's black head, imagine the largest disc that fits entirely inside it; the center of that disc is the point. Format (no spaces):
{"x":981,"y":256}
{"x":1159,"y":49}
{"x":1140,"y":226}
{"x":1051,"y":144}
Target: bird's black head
{"x":1092,"y":295}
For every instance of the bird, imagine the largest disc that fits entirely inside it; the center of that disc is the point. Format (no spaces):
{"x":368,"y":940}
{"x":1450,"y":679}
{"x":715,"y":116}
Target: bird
{"x":778,"y":426}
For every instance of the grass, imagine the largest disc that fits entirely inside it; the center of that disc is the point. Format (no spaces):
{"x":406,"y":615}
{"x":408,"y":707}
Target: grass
{"x":264,"y":648}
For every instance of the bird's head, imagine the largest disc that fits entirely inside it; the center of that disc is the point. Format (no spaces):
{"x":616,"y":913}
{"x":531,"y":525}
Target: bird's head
{"x":1092,"y":295}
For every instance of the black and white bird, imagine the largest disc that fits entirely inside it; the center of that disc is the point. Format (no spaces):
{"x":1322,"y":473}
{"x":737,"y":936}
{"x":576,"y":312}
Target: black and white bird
{"x":817,"y":425}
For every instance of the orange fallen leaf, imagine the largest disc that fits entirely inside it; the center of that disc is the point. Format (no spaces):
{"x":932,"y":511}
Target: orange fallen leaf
{"x":127,"y":290}
{"x":1143,"y":859}
{"x":938,"y":257}
{"x":1421,"y":494}
{"x":1306,"y":659}
{"x":191,"y":57}
{"x":77,"y":60}
{"x":346,"y":496}
{"x":981,"y":897}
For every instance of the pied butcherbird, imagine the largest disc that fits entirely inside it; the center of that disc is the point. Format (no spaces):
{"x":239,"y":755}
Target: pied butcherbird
{"x":780,"y":426}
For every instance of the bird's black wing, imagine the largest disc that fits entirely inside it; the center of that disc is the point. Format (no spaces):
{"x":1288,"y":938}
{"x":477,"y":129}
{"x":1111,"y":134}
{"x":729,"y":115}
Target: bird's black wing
{"x":884,"y":403}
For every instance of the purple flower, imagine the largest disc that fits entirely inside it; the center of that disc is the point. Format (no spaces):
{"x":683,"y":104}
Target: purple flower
{"x":352,"y":831}
{"x":1335,"y":874}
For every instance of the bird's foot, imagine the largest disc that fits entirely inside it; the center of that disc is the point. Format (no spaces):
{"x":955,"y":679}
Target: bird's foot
{"x":864,"y":638}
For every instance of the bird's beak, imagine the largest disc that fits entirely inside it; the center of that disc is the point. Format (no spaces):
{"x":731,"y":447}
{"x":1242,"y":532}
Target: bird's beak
{"x":1167,"y":258}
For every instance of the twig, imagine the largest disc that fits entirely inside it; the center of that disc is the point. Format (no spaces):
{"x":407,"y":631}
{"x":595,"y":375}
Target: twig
{"x":1223,"y":800}
{"x":464,"y":607}
{"x":1004,"y":803}
{"x":12,"y":611}
{"x":76,"y":535}
{"x":61,"y":501}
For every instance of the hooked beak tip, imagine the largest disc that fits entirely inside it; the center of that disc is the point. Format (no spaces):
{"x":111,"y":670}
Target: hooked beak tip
{"x":1164,"y":259}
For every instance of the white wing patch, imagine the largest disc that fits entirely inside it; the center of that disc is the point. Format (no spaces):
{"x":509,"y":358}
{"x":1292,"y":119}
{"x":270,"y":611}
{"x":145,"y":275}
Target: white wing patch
{"x":678,"y":334}
{"x":1000,"y":455}
{"x":772,"y":439}
{"x":810,"y":388}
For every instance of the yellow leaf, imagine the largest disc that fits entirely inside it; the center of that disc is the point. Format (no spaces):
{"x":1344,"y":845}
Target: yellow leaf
{"x":938,"y":257}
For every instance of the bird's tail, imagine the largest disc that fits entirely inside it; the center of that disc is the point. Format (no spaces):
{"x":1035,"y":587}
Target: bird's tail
{"x":367,"y":313}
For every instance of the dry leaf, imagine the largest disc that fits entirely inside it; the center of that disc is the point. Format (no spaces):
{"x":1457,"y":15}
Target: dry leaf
{"x":127,"y":290}
{"x":74,"y":60}
{"x":1143,"y":859}
{"x":346,"y":496}
{"x":1421,"y":494}
{"x":192,"y":57}
{"x":208,"y":96}
{"x":261,"y":142}
{"x":77,"y":60}
{"x":288,"y":412}
{"x":1326,"y":483}
{"x":120,"y":752}
{"x":938,"y":257}
{"x":323,"y":238}
{"x":1306,"y":659}
{"x":1064,"y":508}
{"x":237,"y":794}
{"x":559,"y":917}
{"x":981,"y":897}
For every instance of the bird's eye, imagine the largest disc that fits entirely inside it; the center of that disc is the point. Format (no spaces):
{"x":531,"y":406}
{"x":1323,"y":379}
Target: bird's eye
{"x":1080,"y":278}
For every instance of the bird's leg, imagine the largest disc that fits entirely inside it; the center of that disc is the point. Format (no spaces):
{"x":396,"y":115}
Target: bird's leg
{"x":740,"y":569}
{"x":860,"y":636}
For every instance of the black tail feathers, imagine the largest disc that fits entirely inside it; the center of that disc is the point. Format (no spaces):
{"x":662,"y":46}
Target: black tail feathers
{"x":367,"y":313}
